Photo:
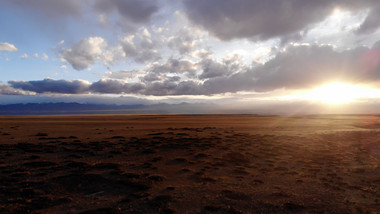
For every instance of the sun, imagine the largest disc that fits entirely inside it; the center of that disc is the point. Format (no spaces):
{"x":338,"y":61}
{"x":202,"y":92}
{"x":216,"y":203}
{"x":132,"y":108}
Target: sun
{"x":337,"y":93}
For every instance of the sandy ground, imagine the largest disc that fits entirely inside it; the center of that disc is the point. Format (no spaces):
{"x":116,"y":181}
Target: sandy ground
{"x":189,"y":164}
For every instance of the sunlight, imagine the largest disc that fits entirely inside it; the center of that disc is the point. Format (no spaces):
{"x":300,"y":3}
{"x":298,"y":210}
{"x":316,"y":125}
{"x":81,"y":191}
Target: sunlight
{"x":337,"y":93}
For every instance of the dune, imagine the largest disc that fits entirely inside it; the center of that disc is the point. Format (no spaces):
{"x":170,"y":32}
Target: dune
{"x":189,"y":164}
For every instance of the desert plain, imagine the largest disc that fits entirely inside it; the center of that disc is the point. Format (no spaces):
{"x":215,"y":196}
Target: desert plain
{"x":190,"y":164}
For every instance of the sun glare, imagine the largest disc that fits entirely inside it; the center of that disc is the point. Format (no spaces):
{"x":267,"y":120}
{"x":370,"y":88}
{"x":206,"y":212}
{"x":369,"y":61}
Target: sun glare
{"x":337,"y":93}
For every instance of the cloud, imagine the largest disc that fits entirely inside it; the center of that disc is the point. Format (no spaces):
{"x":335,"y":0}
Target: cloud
{"x":164,"y":71}
{"x":85,"y":53}
{"x":103,"y":20}
{"x":152,"y":77}
{"x":115,"y":87}
{"x":112,"y":55}
{"x":298,"y":67}
{"x":170,"y":86}
{"x":185,"y":41}
{"x":371,"y":23}
{"x":135,"y":10}
{"x":295,"y":67}
{"x":177,"y":66}
{"x":24,"y":56}
{"x":212,"y":69}
{"x":242,"y":81}
{"x":302,"y":67}
{"x":140,"y":49}
{"x":256,"y":19}
{"x":127,"y":14}
{"x":50,"y":8}
{"x":308,"y":66}
{"x":45,"y":56}
{"x":106,"y":86}
{"x":52,"y":86}
{"x":7,"y":47}
{"x":130,"y":11}
{"x":122,"y":75}
{"x":6,"y":89}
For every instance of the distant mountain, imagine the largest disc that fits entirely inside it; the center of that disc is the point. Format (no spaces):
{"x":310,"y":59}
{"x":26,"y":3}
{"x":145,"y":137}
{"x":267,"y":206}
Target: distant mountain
{"x":67,"y":108}
{"x":61,"y":108}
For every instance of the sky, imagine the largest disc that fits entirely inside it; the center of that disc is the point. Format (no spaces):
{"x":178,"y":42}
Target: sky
{"x":247,"y":56}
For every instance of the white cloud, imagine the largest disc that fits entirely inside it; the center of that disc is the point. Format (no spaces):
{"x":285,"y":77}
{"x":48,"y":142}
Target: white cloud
{"x":36,"y":55}
{"x":24,"y":56}
{"x":85,"y":53}
{"x":45,"y":56}
{"x":7,"y":47}
{"x":91,"y":50}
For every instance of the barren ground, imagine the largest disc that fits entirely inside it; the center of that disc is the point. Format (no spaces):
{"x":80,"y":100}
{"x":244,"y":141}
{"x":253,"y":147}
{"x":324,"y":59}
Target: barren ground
{"x":189,"y":164}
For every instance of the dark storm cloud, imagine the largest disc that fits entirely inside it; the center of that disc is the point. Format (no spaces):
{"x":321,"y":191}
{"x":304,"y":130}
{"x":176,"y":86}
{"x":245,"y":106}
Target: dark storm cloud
{"x":116,"y":87}
{"x":52,"y":86}
{"x":51,"y":8}
{"x":131,"y":12}
{"x":257,"y":19}
{"x":136,"y":11}
{"x":169,"y":86}
{"x":139,"y":11}
{"x":372,"y":22}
